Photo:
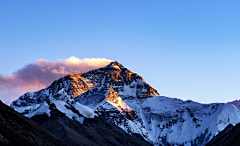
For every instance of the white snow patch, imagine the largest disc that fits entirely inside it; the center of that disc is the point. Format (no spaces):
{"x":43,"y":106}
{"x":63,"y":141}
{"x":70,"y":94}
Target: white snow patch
{"x":30,"y":108}
{"x":60,"y":105}
{"x":115,"y":66}
{"x":84,"y":110}
{"x":43,"y":108}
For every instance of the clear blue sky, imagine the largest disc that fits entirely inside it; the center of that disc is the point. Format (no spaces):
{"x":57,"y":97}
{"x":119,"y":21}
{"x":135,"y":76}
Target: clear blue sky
{"x":185,"y":49}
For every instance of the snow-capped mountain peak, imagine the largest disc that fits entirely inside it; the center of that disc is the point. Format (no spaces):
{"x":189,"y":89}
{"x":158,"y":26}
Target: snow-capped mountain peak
{"x":125,"y":99}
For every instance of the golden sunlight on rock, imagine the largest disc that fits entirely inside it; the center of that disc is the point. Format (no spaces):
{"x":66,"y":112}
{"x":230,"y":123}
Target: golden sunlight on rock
{"x":116,"y":76}
{"x":114,"y":99}
{"x":129,"y":74}
{"x":79,"y":85}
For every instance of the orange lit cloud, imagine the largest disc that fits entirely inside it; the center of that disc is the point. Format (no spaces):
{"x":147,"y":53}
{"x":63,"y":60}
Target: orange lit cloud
{"x":42,"y":73}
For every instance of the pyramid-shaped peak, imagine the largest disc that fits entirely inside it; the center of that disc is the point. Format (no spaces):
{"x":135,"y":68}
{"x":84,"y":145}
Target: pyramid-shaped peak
{"x":116,"y":65}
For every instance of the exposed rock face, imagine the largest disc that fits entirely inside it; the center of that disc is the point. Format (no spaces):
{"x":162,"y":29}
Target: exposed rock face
{"x":79,"y":85}
{"x":125,"y":99}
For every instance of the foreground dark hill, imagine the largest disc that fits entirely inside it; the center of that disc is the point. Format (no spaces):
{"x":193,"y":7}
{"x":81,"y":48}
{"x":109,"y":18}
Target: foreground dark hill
{"x":15,"y":129}
{"x":230,"y":136}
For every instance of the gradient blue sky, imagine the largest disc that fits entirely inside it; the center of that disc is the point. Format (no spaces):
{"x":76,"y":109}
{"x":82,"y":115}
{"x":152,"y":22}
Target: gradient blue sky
{"x":184,"y":49}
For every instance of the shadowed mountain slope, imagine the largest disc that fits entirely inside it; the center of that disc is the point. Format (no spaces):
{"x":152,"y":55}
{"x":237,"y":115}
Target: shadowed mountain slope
{"x":230,"y":136}
{"x":92,"y":132}
{"x":15,"y":129}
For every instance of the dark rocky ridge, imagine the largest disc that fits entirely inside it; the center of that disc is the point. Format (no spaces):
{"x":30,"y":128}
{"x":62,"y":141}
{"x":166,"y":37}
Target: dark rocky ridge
{"x":15,"y":130}
{"x":230,"y":136}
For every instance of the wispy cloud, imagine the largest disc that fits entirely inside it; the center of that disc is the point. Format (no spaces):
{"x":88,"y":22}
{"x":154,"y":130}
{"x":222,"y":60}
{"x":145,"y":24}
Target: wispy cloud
{"x":42,"y":73}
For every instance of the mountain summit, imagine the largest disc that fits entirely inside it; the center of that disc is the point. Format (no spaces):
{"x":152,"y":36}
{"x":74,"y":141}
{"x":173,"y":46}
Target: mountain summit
{"x":122,"y":97}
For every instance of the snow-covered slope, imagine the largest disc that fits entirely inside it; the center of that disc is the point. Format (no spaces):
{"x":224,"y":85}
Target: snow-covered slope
{"x":236,"y":103}
{"x":124,"y":98}
{"x":186,"y":122}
